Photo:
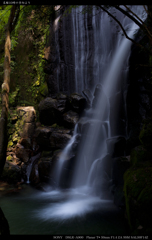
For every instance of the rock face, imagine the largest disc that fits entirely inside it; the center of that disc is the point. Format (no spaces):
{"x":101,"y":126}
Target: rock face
{"x":78,"y":102}
{"x":70,"y":118}
{"x":49,"y":112}
{"x":49,"y":138}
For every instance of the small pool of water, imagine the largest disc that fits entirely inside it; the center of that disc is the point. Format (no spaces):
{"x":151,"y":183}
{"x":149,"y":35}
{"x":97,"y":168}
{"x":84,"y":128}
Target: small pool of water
{"x":61,"y":213}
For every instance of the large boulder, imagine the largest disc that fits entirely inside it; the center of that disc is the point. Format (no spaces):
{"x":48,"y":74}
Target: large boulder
{"x":44,"y":169}
{"x":42,"y":136}
{"x":49,"y":138}
{"x":48,"y":111}
{"x":63,"y":102}
{"x":59,"y":138}
{"x":51,"y":110}
{"x":78,"y":102}
{"x":70,"y":118}
{"x":22,"y":153}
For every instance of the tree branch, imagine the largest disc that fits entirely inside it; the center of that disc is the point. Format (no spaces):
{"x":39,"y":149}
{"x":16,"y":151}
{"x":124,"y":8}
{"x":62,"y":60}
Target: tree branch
{"x":139,"y":20}
{"x":128,"y":15}
{"x":121,"y":27}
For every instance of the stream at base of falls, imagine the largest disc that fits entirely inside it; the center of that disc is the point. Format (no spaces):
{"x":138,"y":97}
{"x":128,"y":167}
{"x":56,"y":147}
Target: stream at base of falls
{"x":61,"y":213}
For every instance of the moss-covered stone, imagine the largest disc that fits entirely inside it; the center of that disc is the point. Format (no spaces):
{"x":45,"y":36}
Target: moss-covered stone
{"x":139,"y":154}
{"x":145,"y":135}
{"x":138,"y":197}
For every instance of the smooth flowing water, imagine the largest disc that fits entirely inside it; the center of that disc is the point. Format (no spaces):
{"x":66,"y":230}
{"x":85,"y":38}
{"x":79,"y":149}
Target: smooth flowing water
{"x":87,"y":206}
{"x":110,"y":54}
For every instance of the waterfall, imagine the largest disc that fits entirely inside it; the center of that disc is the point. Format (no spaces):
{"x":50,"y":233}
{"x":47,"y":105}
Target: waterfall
{"x":100,"y":66}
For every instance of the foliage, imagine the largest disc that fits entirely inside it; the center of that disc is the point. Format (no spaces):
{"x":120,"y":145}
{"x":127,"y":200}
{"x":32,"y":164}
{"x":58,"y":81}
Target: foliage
{"x":13,"y":97}
{"x":32,"y":26}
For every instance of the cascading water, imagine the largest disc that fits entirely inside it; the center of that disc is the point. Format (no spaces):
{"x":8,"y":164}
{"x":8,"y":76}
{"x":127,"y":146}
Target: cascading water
{"x":108,"y":57}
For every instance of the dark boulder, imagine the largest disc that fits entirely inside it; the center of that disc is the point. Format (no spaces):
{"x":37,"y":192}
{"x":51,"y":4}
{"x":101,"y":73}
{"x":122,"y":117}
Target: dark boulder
{"x":63,"y":102}
{"x":49,"y":112}
{"x":42,"y":135}
{"x":34,"y":176}
{"x":44,"y":169}
{"x":59,"y":138}
{"x":49,"y":138}
{"x":70,"y":118}
{"x":78,"y":102}
{"x":22,"y":153}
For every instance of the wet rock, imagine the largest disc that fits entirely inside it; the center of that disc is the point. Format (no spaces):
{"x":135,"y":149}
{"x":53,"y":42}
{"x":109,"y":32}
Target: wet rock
{"x":42,"y":135}
{"x":59,"y":138}
{"x":50,"y":138}
{"x":34,"y":176}
{"x":70,"y":118}
{"x":24,"y":171}
{"x":51,"y":110}
{"x":86,"y":126}
{"x":62,"y":102}
{"x":77,"y":102}
{"x":48,"y":111}
{"x":22,"y":153}
{"x":44,"y":169}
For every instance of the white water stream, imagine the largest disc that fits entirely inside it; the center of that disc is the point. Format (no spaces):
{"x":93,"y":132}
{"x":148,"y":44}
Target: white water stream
{"x":110,"y":54}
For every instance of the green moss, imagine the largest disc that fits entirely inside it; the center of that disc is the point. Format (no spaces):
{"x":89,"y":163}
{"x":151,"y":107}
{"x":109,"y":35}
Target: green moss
{"x":138,"y":196}
{"x":138,"y":154}
{"x":145,"y":135}
{"x":9,"y":158}
{"x":10,"y":144}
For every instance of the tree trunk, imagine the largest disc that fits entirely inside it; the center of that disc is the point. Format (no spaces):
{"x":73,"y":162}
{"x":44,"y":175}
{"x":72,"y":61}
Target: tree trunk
{"x":5,"y":90}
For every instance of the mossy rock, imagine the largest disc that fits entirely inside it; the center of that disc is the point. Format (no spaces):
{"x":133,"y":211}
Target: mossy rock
{"x":138,"y":197}
{"x":145,"y":135}
{"x":139,"y":154}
